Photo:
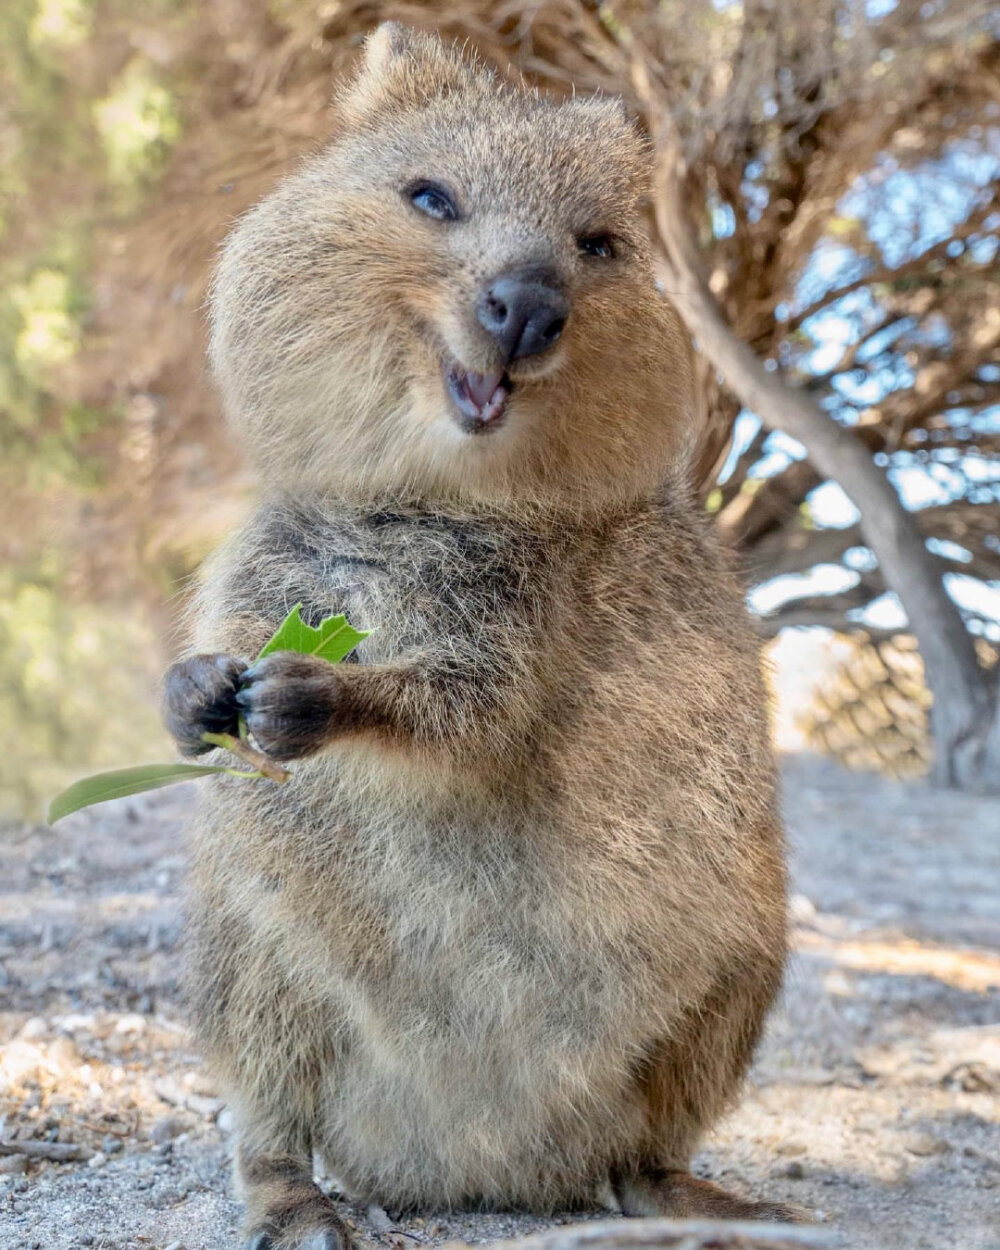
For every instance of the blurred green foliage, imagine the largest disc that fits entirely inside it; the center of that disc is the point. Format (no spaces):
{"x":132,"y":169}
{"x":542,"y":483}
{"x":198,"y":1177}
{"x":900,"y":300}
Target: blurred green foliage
{"x":81,"y":144}
{"x":138,"y":123}
{"x":74,"y":688}
{"x":85,"y":129}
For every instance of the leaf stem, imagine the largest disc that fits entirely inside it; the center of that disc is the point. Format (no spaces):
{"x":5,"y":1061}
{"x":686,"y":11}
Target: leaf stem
{"x":263,"y":766}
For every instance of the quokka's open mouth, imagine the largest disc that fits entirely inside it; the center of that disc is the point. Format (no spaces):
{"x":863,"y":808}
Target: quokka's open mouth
{"x":480,"y":399}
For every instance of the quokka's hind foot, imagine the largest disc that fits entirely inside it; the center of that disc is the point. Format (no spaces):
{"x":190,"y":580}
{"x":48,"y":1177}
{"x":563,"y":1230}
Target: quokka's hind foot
{"x":286,"y":1210}
{"x":675,"y":1192}
{"x":318,"y":1239}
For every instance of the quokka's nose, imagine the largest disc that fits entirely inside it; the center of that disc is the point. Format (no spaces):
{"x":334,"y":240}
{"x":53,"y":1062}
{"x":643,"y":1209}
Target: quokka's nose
{"x":524,"y":313}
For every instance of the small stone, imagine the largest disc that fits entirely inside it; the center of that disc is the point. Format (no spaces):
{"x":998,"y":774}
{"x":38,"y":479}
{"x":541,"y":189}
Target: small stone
{"x":225,"y":1120}
{"x":119,"y":1044}
{"x":169,"y":1092}
{"x":63,"y":1055}
{"x":201,"y":1105}
{"x":801,"y":910}
{"x":35,"y":1027}
{"x":165,"y":1129}
{"x":13,"y":1165}
{"x":838,"y":983}
{"x":795,"y":1171}
{"x":925,"y":1144}
{"x":881,"y":1061}
{"x":132,"y":1023}
{"x":792,"y":1148}
{"x":378,"y":1217}
{"x":112,"y":1145}
{"x":97,"y":1160}
{"x":76,"y":1022}
{"x":815,"y":1076}
{"x":973,"y":1078}
{"x":20,"y":1059}
{"x":175,"y":1245}
{"x":200,"y":1083}
{"x":972,"y":1152}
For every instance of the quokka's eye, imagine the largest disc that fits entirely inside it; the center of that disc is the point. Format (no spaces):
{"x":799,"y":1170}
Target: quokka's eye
{"x":433,"y":200}
{"x":599,"y":245}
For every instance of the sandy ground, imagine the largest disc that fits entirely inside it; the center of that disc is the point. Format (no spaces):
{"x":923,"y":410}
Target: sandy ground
{"x":875,"y":1102}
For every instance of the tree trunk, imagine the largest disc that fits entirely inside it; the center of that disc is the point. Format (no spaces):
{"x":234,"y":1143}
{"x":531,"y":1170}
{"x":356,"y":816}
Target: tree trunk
{"x":965,"y":718}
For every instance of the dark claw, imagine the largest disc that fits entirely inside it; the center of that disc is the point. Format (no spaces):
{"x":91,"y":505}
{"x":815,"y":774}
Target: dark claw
{"x":325,"y":1239}
{"x":289,"y":704}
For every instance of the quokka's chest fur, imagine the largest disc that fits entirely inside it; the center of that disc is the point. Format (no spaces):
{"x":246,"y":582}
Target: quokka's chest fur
{"x":417,"y":579}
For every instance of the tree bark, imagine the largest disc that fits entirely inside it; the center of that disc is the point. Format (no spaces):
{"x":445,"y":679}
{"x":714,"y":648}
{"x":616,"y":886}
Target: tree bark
{"x":965,"y":717}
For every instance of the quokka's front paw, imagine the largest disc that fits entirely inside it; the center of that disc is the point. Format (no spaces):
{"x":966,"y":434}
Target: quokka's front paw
{"x":199,"y":696}
{"x":294,"y":704}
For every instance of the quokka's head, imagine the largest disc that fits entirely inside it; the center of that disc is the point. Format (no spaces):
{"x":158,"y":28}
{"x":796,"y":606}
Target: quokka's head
{"x":455,"y":299}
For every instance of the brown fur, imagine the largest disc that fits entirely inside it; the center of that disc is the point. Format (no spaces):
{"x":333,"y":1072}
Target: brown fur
{"x":511,"y":930}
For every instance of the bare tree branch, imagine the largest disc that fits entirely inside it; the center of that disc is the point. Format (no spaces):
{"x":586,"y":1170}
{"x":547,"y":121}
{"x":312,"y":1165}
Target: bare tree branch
{"x":963,"y":707}
{"x":890,"y":275}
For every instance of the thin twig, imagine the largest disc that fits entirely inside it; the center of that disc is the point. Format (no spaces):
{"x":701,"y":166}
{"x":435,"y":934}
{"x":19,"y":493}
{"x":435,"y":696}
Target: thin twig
{"x":249,"y":755}
{"x":665,"y":1234}
{"x":54,"y":1151}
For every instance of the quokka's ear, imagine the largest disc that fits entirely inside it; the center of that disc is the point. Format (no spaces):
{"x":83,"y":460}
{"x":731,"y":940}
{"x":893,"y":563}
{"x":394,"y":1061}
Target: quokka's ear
{"x":613,"y":108}
{"x":391,"y":41}
{"x":401,"y":68}
{"x":610,"y":109}
{"x":615,"y":129}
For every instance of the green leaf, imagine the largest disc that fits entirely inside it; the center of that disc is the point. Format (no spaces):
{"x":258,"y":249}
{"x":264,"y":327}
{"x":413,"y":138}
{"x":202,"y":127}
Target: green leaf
{"x":332,"y":640}
{"x":101,"y":787}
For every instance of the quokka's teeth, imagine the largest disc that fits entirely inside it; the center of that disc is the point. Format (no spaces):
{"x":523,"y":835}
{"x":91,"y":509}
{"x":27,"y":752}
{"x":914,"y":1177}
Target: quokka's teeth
{"x":482,"y":387}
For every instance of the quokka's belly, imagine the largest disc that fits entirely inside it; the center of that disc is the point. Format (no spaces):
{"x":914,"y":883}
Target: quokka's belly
{"x":440,"y":1112}
{"x":485,"y":1054}
{"x":486,"y":1024}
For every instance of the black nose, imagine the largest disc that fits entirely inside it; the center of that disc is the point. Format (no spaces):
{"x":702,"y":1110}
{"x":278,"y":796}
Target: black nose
{"x":525,"y":314}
